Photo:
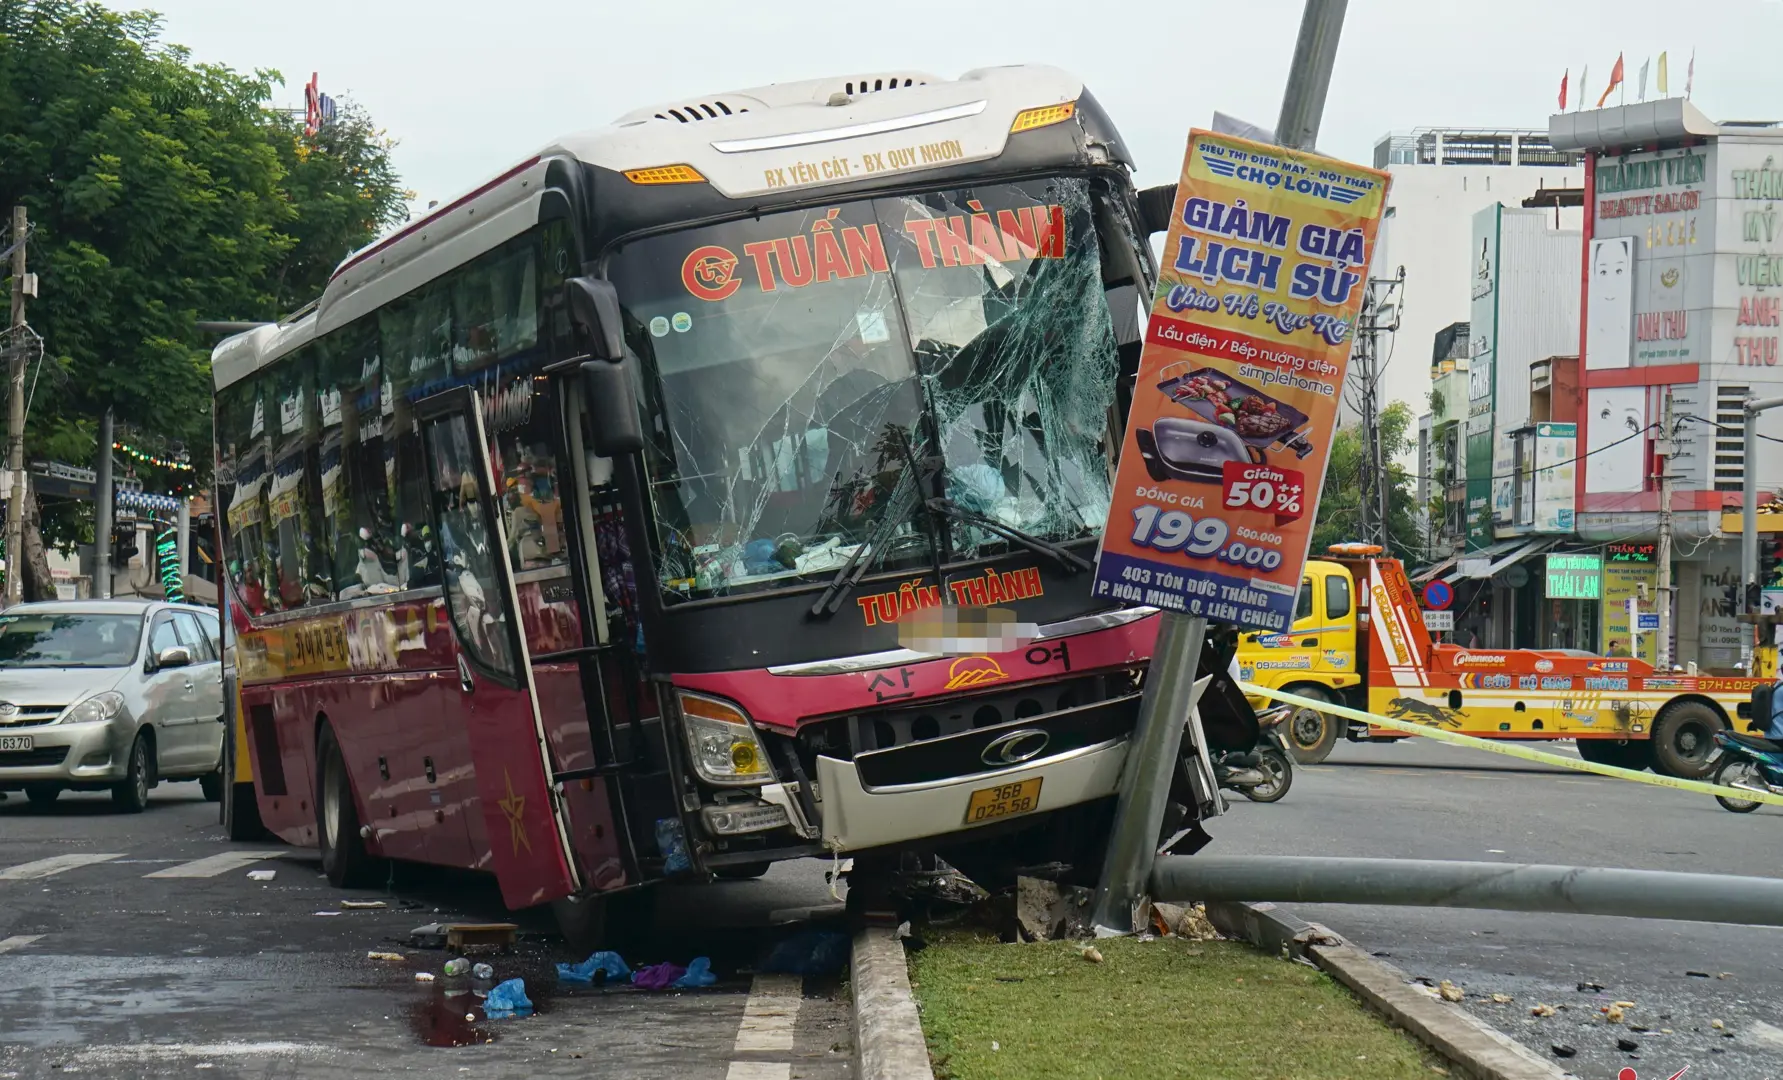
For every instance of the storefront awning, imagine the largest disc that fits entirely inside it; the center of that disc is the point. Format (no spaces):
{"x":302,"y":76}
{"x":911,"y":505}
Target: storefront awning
{"x":1503,"y":554}
{"x":1430,"y":572}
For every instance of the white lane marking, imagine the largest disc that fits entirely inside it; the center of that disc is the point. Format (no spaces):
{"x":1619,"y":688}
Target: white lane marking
{"x":213,"y":865}
{"x":1757,"y":1030}
{"x":51,"y":866}
{"x":129,"y":1051}
{"x":759,"y":1070}
{"x":770,"y":1012}
{"x":17,"y":941}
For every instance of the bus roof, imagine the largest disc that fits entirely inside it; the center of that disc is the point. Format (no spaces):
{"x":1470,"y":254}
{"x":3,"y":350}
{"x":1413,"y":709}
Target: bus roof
{"x":742,"y":144}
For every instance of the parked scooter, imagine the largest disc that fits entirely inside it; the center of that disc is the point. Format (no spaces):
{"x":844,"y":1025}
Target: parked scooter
{"x":1752,"y":762}
{"x":1265,"y":772}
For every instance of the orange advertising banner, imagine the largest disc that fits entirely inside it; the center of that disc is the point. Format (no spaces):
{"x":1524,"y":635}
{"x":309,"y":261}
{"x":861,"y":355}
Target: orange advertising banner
{"x":1265,"y":268}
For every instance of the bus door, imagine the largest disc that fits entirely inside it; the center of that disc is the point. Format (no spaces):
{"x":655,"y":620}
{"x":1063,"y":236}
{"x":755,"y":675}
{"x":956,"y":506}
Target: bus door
{"x":528,"y":838}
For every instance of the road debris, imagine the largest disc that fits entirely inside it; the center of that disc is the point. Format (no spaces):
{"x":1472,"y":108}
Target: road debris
{"x":1048,"y":911}
{"x":1541,"y":1010}
{"x":808,"y":952}
{"x":483,"y":971}
{"x":362,"y":905}
{"x":1590,"y":987}
{"x":1627,"y":1046}
{"x":1561,"y":1050}
{"x":1448,"y":991}
{"x":469,"y":937}
{"x":393,"y":956}
{"x":423,"y":976}
{"x":457,"y":966}
{"x":262,"y":875}
{"x":600,"y":967}
{"x":1717,"y":1025}
{"x":1502,"y":999}
{"x":1697,"y":974}
{"x":430,"y":936}
{"x":1612,"y":1013}
{"x":507,"y":999}
{"x":1090,"y":953}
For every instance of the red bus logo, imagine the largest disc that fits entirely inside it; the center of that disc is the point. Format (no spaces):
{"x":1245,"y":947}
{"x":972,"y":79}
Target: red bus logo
{"x":710,"y":272}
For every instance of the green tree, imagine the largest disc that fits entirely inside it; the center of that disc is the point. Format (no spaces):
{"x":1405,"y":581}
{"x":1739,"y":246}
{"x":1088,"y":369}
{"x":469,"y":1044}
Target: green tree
{"x":161,"y":192}
{"x":1340,"y":504}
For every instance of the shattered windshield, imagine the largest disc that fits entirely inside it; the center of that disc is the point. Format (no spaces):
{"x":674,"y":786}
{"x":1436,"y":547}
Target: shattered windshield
{"x":806,"y":371}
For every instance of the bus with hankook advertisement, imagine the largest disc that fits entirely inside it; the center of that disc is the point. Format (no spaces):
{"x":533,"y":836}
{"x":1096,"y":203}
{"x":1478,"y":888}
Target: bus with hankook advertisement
{"x":577,"y":532}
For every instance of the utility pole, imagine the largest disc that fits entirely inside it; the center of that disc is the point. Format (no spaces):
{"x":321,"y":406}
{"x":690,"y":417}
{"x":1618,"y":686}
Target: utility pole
{"x":1167,"y":706}
{"x":1749,"y":516}
{"x":102,"y":512}
{"x":15,"y":433}
{"x":1315,"y":54}
{"x":1380,"y":313}
{"x":1663,"y":451}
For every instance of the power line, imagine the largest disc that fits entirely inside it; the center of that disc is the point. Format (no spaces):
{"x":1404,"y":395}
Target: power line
{"x":1545,"y":468}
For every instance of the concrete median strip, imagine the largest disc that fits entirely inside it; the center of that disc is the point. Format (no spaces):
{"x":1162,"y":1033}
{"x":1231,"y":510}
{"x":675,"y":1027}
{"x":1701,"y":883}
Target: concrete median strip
{"x":1478,"y":1049}
{"x":1508,"y":749}
{"x":888,"y":1038}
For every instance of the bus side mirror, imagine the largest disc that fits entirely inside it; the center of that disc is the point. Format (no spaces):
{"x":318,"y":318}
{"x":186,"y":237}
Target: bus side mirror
{"x":1155,"y":204}
{"x":612,"y":407}
{"x":594,"y":305}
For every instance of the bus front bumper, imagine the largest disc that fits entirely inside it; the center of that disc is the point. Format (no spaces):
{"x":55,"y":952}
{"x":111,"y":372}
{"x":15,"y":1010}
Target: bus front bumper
{"x":857,"y":817}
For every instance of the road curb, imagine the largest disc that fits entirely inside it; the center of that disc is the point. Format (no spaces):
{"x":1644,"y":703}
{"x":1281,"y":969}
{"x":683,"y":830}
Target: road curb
{"x":1478,"y":1049}
{"x":888,"y":1040}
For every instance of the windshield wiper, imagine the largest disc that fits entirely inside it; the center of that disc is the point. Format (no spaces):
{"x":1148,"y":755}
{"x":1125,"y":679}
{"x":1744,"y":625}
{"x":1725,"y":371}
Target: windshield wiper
{"x":1070,"y":561}
{"x":856,"y":567}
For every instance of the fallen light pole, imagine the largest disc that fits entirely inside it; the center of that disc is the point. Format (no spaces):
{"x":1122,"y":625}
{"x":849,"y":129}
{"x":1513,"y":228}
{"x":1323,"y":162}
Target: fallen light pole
{"x":1576,"y":890}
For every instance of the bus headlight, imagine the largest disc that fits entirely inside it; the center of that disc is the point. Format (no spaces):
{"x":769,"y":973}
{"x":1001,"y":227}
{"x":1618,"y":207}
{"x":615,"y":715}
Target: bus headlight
{"x":722,"y":743}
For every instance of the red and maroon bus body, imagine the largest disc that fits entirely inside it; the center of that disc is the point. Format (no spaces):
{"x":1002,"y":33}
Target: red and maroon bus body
{"x":465,"y":637}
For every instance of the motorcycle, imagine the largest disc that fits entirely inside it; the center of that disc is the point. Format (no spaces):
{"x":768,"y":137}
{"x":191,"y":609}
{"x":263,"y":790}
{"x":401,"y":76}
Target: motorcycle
{"x":1750,"y":763}
{"x":1266,"y":771}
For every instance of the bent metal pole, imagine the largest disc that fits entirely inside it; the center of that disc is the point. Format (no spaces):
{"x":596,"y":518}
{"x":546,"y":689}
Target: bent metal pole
{"x":1156,"y":743}
{"x":1576,"y":890}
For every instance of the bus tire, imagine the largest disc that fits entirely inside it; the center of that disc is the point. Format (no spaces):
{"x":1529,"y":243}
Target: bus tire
{"x":1684,"y":740}
{"x":344,"y":858}
{"x":1311,"y":733}
{"x":602,"y":920}
{"x":1636,"y":754}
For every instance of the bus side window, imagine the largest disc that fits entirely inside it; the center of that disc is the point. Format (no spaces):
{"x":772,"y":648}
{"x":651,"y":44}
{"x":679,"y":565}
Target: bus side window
{"x":1337,"y":597}
{"x":1303,"y":602}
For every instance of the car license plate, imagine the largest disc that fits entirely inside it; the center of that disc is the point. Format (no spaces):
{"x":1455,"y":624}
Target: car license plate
{"x":15,"y":742}
{"x":1007,"y":800}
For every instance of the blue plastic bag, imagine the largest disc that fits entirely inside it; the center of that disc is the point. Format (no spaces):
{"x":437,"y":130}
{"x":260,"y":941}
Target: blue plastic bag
{"x":699,"y":973}
{"x":808,"y":952}
{"x":608,"y":962}
{"x":507,"y":999}
{"x":672,"y":844}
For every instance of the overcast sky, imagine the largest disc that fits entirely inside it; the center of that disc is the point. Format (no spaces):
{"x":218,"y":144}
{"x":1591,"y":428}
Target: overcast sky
{"x":470,"y":86}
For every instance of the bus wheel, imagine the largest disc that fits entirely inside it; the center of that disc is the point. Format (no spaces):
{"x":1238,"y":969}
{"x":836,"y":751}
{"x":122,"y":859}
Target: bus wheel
{"x":344,"y":858}
{"x":582,"y":920}
{"x":1684,"y":740}
{"x":1311,"y":733}
{"x":1634,"y":754}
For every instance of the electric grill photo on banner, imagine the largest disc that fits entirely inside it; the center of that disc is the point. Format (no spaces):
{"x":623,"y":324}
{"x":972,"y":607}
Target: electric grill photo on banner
{"x":1235,"y":422}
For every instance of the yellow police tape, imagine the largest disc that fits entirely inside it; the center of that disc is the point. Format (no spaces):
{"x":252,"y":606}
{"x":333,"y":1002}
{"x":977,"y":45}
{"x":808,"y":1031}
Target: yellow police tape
{"x":1497,"y":746}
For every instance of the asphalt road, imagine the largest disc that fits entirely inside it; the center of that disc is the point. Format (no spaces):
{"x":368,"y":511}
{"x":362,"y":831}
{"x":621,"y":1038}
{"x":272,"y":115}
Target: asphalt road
{"x":1420,"y":800}
{"x":107,"y":969}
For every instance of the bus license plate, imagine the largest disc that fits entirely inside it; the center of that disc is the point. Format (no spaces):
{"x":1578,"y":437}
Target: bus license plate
{"x":15,"y":742}
{"x":1007,"y":800}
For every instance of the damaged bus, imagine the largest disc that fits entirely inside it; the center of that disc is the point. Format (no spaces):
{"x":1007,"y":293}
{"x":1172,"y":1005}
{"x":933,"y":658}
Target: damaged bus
{"x":585,"y":530}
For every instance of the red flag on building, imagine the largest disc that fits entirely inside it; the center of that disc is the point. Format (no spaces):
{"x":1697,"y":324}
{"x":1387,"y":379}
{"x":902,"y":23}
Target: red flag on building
{"x":1615,"y":81}
{"x":1563,"y":79}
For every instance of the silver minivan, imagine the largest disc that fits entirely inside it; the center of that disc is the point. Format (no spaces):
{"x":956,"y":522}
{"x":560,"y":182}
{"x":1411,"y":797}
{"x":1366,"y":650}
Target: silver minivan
{"x":111,"y":695}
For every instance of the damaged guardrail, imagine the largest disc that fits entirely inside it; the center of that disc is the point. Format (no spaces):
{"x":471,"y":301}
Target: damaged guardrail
{"x":1496,"y":746}
{"x":1574,"y":890}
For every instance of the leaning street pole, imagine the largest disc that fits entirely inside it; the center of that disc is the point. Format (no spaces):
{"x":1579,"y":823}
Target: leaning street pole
{"x":1749,"y":514}
{"x":15,"y":429}
{"x":102,"y":512}
{"x":1164,"y":708}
